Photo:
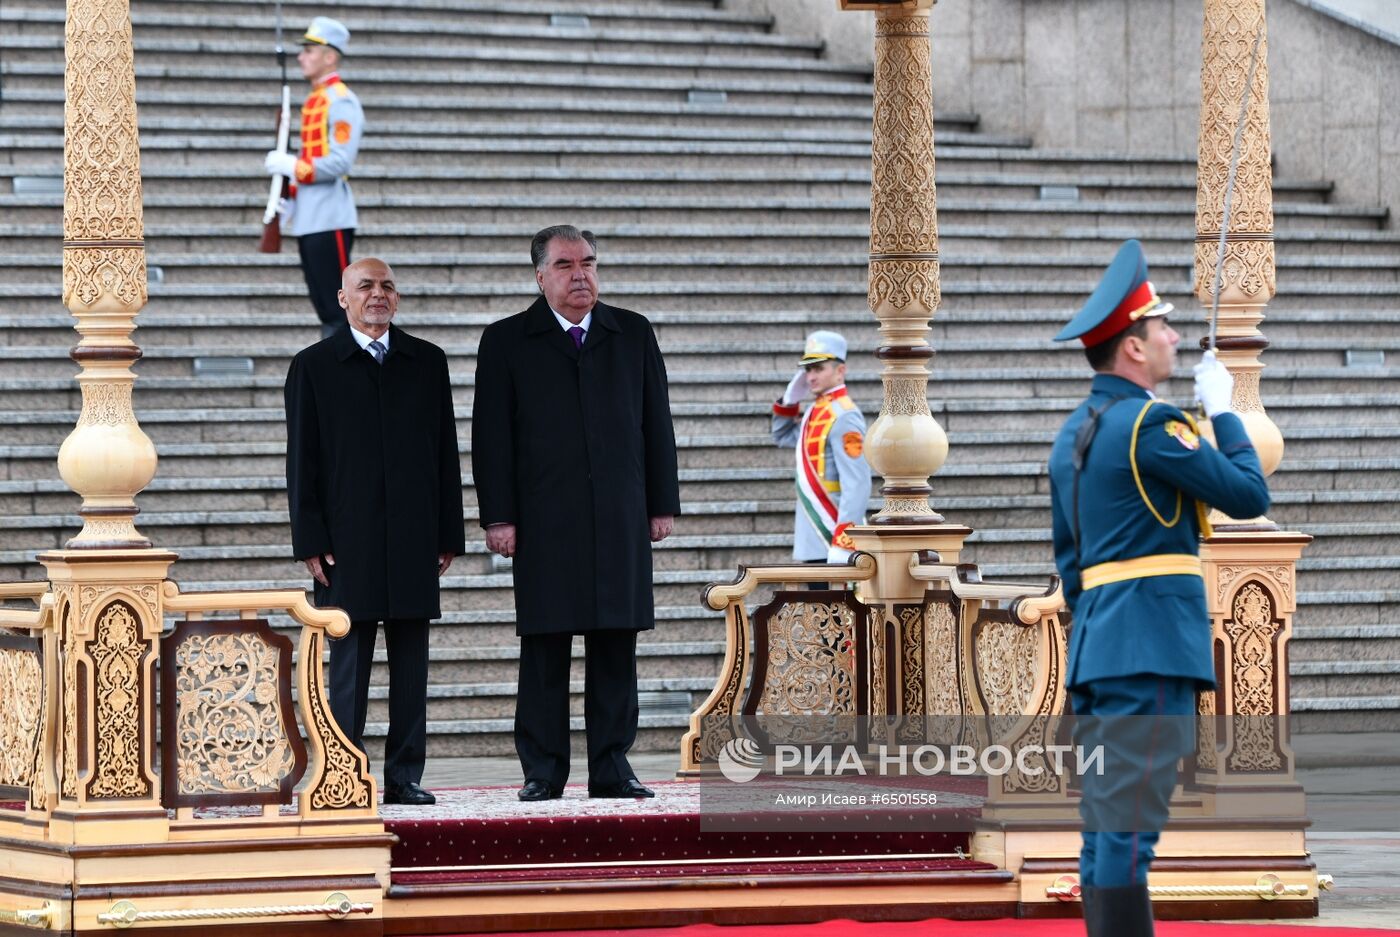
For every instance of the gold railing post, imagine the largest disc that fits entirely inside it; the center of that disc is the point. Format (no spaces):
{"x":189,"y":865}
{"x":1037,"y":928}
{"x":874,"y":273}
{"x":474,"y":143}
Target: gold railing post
{"x":1247,"y":279}
{"x":905,"y":444}
{"x":107,"y":458}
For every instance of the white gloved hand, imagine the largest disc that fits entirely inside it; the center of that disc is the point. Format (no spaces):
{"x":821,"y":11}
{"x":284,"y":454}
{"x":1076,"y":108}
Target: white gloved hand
{"x":837,"y":555}
{"x":797,"y":388}
{"x":280,"y":164}
{"x":1215,"y":387}
{"x":285,"y":207}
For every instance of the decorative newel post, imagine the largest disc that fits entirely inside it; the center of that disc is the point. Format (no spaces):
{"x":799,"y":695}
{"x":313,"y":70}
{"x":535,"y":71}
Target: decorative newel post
{"x":905,"y":444}
{"x":1247,"y":282}
{"x":1250,"y":565}
{"x":107,"y":458}
{"x":107,"y":583}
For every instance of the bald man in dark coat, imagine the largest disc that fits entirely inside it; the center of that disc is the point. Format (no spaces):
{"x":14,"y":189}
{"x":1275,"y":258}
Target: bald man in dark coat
{"x":574,"y":459}
{"x":374,"y":486}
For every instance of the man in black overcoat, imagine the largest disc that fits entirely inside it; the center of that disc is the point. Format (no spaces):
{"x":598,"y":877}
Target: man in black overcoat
{"x":574,"y":459}
{"x":374,"y":486}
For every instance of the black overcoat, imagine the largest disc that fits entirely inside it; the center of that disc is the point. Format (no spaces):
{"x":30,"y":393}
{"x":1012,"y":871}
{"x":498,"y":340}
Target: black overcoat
{"x":577,"y":450}
{"x":373,"y":474}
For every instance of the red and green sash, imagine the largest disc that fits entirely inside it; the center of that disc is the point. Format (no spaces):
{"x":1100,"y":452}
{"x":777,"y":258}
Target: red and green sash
{"x":814,"y":490}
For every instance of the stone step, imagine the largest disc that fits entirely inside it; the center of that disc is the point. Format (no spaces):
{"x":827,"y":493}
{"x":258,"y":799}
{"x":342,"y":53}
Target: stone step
{"x":541,"y":208}
{"x":402,"y":241}
{"x":954,"y":394}
{"x":1015,"y":496}
{"x":687,"y":360}
{"x":365,"y":11}
{"x":420,"y":114}
{"x":1338,"y":714}
{"x":472,"y":665}
{"x":481,"y":738}
{"x":266,"y":425}
{"x":227,"y":329}
{"x":716,"y":552}
{"x":604,"y":182}
{"x":180,"y":268}
{"x":701,"y":418}
{"x":40,"y":81}
{"x":430,"y":33}
{"x":1055,"y":298}
{"x":709,"y":535}
{"x":1354,"y":678}
{"x":449,"y":701}
{"x":410,"y":44}
{"x":444,"y":136}
{"x":1343,"y":643}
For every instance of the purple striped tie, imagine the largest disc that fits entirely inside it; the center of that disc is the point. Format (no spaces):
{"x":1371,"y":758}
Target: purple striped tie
{"x":577,"y":334}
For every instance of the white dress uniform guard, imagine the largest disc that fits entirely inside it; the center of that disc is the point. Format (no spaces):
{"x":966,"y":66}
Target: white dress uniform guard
{"x":321,"y":208}
{"x":833,"y":478}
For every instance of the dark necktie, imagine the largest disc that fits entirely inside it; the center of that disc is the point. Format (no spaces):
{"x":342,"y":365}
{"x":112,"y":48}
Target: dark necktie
{"x":378,"y":351}
{"x":577,"y":334}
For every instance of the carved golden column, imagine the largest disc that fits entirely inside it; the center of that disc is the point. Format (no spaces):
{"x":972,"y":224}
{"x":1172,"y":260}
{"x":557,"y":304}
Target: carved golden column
{"x":107,"y":582}
{"x":107,"y":458}
{"x":1247,"y":280}
{"x":1245,"y":764}
{"x":905,"y":444}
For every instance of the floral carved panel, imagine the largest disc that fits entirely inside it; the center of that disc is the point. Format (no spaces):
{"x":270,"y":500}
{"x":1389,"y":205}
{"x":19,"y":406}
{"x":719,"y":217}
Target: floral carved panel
{"x":1253,"y":628}
{"x":812,"y":661}
{"x":118,"y":709}
{"x":228,"y":727}
{"x":21,"y":718}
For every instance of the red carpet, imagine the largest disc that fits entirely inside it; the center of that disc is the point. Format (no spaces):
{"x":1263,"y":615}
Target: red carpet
{"x":489,"y":827}
{"x":942,"y":928}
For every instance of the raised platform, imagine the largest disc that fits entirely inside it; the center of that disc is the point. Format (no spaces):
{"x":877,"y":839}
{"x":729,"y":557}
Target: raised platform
{"x":481,"y":861}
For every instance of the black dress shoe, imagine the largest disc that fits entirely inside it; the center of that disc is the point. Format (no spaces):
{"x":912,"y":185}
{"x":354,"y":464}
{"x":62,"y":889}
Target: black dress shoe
{"x":628,"y":788}
{"x":539,"y":790}
{"x":409,"y":793}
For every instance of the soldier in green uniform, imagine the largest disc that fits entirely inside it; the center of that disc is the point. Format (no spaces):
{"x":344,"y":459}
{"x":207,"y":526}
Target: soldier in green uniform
{"x":1131,"y":484}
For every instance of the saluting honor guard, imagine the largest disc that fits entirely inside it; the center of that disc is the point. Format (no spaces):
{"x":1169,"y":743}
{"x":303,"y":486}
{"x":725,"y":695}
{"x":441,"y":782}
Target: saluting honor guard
{"x":320,"y":208}
{"x":833,"y":478}
{"x":1132,"y":482}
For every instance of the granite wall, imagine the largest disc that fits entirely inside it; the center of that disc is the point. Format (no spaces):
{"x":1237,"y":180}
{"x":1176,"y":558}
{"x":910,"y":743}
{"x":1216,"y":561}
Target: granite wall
{"x":1124,"y":76}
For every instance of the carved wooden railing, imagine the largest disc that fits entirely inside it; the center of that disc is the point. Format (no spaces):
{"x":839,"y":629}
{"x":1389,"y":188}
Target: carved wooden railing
{"x":1004,"y":646}
{"x":825,"y":628}
{"x":230,"y":736}
{"x":974,"y":663}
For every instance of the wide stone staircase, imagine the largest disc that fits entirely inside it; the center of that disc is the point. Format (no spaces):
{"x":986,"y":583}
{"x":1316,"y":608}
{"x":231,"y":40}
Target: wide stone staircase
{"x":726,"y":171}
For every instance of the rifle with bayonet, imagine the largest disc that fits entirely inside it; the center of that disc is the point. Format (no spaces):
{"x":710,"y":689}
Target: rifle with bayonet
{"x":279,"y":190}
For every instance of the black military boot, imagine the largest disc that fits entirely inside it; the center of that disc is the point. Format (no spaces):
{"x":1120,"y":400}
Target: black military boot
{"x":1120,"y":912}
{"x":1088,"y":897}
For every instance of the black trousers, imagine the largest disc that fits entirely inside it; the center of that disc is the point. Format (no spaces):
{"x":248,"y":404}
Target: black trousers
{"x":406,"y":748}
{"x":324,"y":255}
{"x":609,"y":705}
